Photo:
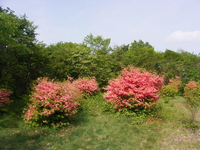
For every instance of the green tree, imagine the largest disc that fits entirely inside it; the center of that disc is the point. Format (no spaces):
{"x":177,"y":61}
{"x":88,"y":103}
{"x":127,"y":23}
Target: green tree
{"x":190,"y":67}
{"x":68,"y":59}
{"x":117,"y":58}
{"x":101,"y":65}
{"x":21,"y":60}
{"x":184,"y":64}
{"x":97,"y":44}
{"x":141,"y":54}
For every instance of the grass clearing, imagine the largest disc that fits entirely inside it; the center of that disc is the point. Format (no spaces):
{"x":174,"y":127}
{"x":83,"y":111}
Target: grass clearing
{"x":94,"y":127}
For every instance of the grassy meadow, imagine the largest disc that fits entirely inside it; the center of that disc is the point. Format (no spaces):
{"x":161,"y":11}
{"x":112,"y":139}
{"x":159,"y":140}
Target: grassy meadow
{"x":97,"y":127}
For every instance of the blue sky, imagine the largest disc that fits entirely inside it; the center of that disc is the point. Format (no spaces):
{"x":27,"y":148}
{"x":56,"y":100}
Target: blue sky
{"x":173,"y":24}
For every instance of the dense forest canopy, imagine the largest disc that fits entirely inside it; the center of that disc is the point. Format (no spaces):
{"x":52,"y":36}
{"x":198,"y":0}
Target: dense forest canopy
{"x":23,"y":58}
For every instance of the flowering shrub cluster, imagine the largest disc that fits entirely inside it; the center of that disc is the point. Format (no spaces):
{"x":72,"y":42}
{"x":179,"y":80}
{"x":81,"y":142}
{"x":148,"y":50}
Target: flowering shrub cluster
{"x":172,"y":88}
{"x":4,"y":96}
{"x":135,"y":89}
{"x":192,"y":95}
{"x":87,"y":86}
{"x":76,"y":93}
{"x":52,"y":103}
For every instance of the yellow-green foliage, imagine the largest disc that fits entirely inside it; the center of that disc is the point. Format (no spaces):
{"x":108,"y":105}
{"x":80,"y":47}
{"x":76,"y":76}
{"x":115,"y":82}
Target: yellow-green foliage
{"x":192,"y":95}
{"x":169,"y":91}
{"x":172,"y":88}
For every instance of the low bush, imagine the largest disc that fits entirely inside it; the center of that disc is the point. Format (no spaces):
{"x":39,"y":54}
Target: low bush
{"x":87,"y":86}
{"x":135,"y":90}
{"x":4,"y":97}
{"x":192,"y":95}
{"x":172,"y":89}
{"x":169,"y":91}
{"x":52,"y":103}
{"x":95,"y":105}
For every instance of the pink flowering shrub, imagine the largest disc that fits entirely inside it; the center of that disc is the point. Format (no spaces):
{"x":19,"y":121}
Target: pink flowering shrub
{"x":4,"y":97}
{"x":172,"y":88}
{"x":87,"y":86}
{"x":192,"y":95}
{"x":52,"y":103}
{"x":75,"y":92}
{"x":134,"y":90}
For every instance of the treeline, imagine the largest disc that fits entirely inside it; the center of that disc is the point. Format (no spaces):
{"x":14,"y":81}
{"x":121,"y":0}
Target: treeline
{"x":23,"y":58}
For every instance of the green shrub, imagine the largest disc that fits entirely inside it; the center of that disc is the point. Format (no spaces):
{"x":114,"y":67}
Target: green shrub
{"x":172,"y":89}
{"x":96,"y":104}
{"x":192,"y":95}
{"x":169,"y":91}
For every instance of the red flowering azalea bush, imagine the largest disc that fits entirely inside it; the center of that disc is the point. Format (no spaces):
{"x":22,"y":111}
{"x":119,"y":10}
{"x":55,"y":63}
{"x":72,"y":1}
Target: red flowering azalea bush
{"x":4,"y":97}
{"x":172,"y":88}
{"x":52,"y":103}
{"x":192,"y":95}
{"x":87,"y":86}
{"x":134,"y":90}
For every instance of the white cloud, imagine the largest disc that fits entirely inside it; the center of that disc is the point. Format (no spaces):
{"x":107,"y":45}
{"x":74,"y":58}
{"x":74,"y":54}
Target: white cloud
{"x":184,"y":36}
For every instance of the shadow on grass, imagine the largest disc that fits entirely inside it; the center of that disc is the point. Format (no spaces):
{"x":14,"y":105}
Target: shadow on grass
{"x":12,"y":136}
{"x":16,"y":141}
{"x":11,"y":118}
{"x":81,"y":118}
{"x":10,"y":121}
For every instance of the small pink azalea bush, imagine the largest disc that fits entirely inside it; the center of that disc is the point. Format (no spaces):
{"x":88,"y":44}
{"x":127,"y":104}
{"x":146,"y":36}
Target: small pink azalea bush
{"x":192,"y":95}
{"x":52,"y":103}
{"x":87,"y":86}
{"x":133,"y":90}
{"x":5,"y":97}
{"x":172,"y":88}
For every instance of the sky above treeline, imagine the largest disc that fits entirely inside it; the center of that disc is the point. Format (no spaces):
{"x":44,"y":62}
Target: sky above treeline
{"x":173,"y":24}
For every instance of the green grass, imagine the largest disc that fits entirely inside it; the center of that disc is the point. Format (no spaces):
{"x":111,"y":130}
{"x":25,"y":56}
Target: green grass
{"x":95,"y":127}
